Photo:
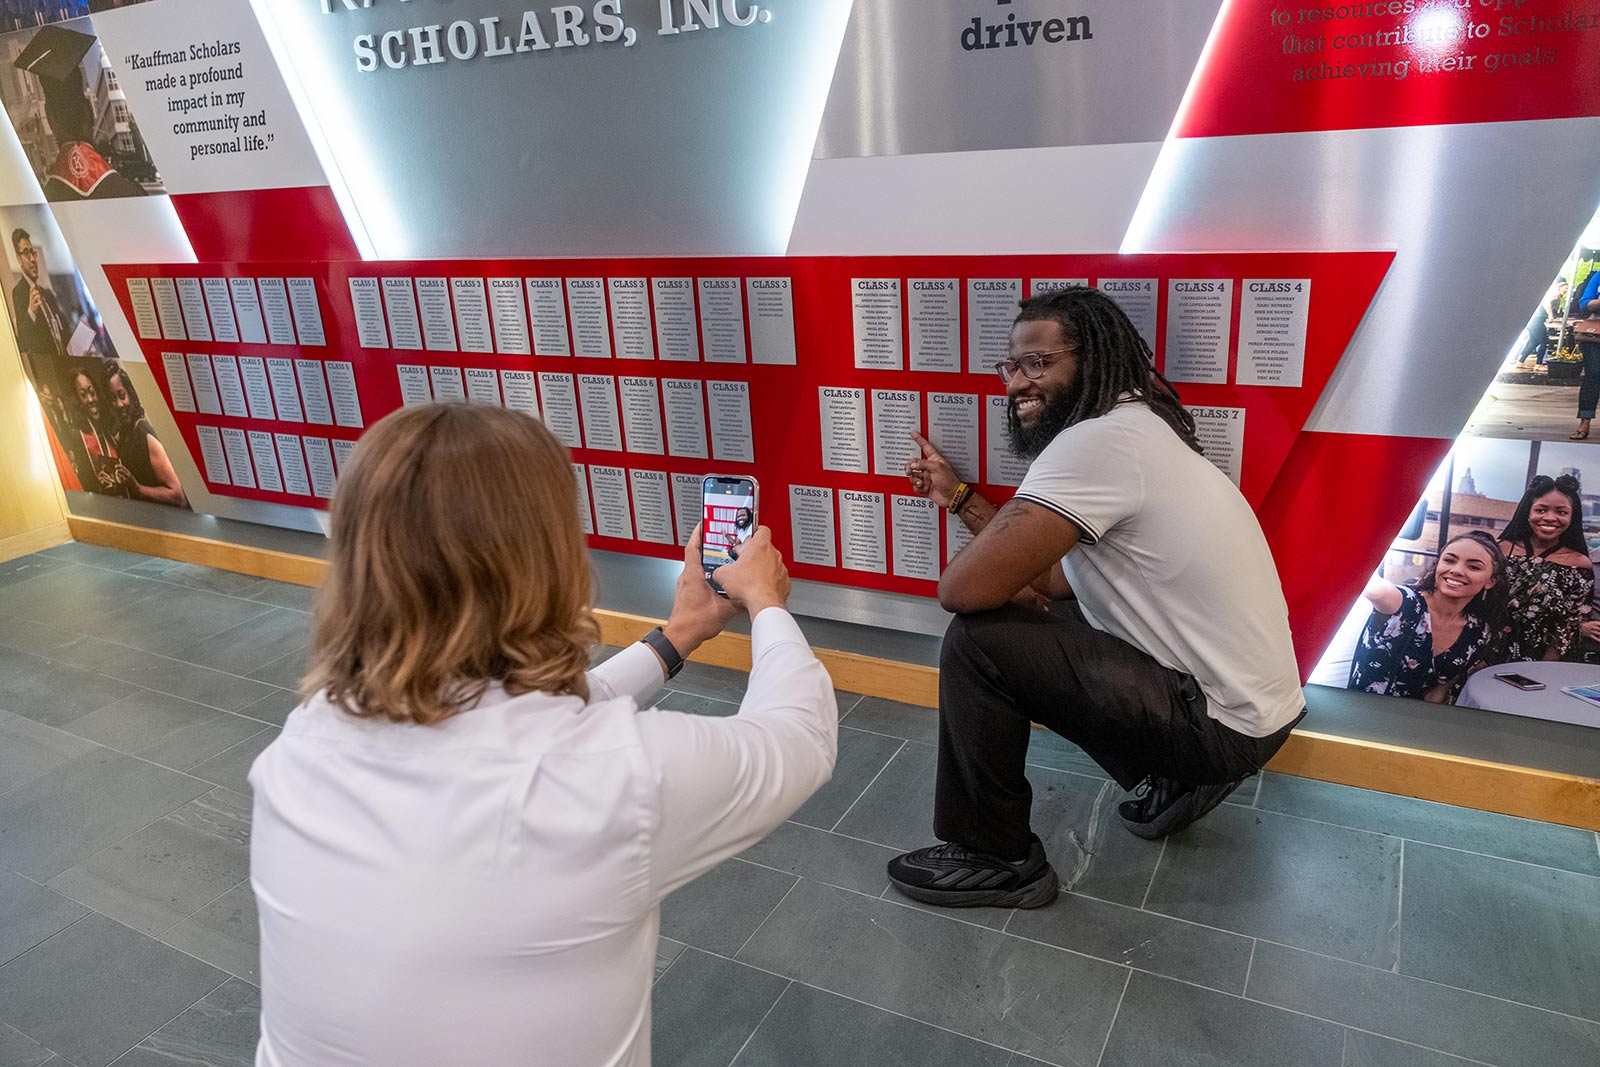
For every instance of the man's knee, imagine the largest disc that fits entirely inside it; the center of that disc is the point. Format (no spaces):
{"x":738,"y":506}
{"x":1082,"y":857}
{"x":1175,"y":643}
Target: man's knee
{"x":984,"y":637}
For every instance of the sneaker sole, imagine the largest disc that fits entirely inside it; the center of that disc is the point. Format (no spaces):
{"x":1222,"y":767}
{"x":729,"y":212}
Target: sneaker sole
{"x":1177,"y":817}
{"x":1036,"y":894}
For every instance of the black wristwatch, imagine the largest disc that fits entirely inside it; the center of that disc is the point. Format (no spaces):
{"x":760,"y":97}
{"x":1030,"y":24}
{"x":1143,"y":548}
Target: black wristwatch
{"x":657,"y":640}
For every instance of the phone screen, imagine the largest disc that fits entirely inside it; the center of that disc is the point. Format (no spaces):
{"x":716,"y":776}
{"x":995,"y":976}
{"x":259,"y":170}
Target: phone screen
{"x":729,"y":511}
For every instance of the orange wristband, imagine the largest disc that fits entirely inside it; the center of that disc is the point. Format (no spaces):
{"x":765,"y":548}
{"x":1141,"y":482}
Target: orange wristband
{"x":959,"y":498}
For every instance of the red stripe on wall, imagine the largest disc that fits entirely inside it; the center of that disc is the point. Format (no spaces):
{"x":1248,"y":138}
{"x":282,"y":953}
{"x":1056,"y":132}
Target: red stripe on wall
{"x":266,"y":224}
{"x":1332,"y":512}
{"x":1283,"y":68}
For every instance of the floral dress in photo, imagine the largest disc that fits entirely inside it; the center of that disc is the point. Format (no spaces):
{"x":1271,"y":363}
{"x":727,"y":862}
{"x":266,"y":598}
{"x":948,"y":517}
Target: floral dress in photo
{"x":1547,"y":603}
{"x":1395,"y":653}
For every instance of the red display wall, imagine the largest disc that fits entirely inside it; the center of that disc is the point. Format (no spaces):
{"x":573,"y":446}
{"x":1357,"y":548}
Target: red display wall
{"x":784,"y":400}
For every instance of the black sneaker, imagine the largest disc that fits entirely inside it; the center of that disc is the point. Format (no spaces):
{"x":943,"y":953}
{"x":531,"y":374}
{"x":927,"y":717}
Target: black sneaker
{"x":953,"y":876}
{"x":1162,"y":806}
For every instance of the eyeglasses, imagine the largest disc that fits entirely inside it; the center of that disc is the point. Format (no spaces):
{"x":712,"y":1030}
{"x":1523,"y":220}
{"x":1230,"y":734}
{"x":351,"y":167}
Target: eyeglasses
{"x":1031,"y":364}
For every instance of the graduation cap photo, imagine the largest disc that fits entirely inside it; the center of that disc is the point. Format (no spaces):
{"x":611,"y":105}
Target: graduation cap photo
{"x":73,"y":118}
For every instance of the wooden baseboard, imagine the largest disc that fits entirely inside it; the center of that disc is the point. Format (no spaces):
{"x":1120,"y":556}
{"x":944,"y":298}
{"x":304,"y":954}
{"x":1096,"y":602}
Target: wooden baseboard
{"x":186,"y":548}
{"x":1522,"y":791}
{"x":35,"y":540}
{"x":1469,"y":783}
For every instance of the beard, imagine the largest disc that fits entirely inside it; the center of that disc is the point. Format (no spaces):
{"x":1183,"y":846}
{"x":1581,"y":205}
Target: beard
{"x":1054,"y":416}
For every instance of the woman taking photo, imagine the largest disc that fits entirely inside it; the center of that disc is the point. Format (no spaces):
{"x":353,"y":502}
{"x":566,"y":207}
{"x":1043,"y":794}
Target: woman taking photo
{"x":1550,"y":579}
{"x":1421,"y":642}
{"x":462,"y":838}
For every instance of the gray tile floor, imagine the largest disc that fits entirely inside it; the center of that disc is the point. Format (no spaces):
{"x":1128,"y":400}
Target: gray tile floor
{"x":1303,"y":923}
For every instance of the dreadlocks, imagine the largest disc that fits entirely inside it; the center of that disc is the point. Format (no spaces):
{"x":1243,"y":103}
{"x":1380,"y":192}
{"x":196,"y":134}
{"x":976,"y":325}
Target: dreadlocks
{"x":1113,"y":360}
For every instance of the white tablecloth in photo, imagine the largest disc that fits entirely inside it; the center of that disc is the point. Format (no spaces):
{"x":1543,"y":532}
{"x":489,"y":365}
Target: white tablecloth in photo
{"x":1484,"y":690}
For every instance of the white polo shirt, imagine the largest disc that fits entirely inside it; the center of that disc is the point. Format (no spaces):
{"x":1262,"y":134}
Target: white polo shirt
{"x":488,"y":890}
{"x":1173,"y":561}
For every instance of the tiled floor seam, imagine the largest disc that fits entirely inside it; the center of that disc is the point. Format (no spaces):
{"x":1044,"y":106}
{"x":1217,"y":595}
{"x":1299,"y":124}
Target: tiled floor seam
{"x":1348,"y":1030}
{"x":88,"y":912}
{"x":1399,"y":907}
{"x":252,"y":718}
{"x":1126,"y":982}
{"x":113,"y":844}
{"x":1430,"y":844}
{"x":674,"y":962}
{"x":1249,"y":967}
{"x":130,"y":1049}
{"x":764,"y":1017}
{"x":214,"y":785}
{"x":864,"y":1003}
{"x":191,"y":588}
{"x":866,"y":788}
{"x":1030,"y":763}
{"x":147,"y":759}
{"x":859,"y":697}
{"x":145,"y":688}
{"x":162,"y":935}
{"x":142,"y":576}
{"x":1412,"y":978}
{"x":1333,"y":1022}
{"x":1150,"y":886}
{"x":773,"y":911}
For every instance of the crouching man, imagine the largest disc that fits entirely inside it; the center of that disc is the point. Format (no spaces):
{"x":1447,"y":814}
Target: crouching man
{"x":1125,"y":598}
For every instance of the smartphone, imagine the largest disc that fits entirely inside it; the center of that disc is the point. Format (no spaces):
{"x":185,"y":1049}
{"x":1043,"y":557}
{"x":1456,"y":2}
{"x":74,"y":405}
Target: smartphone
{"x":1520,"y":681}
{"x":728,"y":507}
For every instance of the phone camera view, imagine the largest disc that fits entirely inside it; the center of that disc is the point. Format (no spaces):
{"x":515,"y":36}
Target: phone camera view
{"x":730,"y":519}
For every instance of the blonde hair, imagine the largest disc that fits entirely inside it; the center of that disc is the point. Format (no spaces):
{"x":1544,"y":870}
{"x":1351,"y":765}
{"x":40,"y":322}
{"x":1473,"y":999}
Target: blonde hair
{"x":457,"y":562}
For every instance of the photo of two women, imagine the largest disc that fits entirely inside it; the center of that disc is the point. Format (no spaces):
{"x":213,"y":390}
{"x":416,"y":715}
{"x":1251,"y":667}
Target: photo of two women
{"x":1481,"y":579}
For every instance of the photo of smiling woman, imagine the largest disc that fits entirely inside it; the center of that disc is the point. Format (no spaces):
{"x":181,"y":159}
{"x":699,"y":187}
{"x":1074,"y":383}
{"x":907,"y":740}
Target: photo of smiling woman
{"x":1549,"y":575}
{"x":1422,"y":641}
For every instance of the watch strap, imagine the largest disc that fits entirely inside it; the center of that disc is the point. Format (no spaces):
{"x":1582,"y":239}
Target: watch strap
{"x":657,"y":640}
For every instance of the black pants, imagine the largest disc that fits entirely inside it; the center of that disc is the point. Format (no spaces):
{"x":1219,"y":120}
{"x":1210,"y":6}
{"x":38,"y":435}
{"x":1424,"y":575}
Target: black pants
{"x":1589,"y":388}
{"x":1001,"y":670}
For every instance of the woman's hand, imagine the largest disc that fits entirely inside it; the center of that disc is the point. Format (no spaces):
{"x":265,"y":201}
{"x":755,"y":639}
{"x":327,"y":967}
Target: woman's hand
{"x":1591,"y":630}
{"x":757,"y":578}
{"x":931,"y":474}
{"x":698,"y":613}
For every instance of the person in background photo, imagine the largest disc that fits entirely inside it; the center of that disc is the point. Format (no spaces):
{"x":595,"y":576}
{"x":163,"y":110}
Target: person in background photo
{"x":45,"y":373}
{"x":85,"y":165}
{"x":150,"y":475}
{"x":93,"y":426}
{"x":1588,"y":649}
{"x":1423,"y":641}
{"x":1585,"y":305}
{"x":744,"y":524}
{"x":41,"y":328}
{"x":462,"y":838}
{"x":1536,"y":335}
{"x":1549,"y":576}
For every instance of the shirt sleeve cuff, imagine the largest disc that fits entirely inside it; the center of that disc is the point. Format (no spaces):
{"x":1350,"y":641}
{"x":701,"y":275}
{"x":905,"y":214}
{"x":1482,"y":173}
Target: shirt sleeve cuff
{"x":635,"y":671}
{"x":1087,"y":533}
{"x":772,"y":627}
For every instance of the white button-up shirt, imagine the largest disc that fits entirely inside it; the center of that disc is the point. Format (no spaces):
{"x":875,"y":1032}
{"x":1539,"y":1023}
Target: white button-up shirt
{"x":487,"y":890}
